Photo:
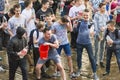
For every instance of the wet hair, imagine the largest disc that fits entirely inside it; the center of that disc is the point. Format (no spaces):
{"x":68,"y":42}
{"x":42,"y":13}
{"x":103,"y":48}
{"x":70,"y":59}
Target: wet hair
{"x":40,"y":25}
{"x":43,"y":2}
{"x":16,"y":6}
{"x":101,"y":5}
{"x":46,"y":29}
{"x":64,"y":19}
{"x":27,"y":2}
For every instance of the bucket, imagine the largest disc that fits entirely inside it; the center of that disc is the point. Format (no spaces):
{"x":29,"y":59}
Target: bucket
{"x":43,"y":50}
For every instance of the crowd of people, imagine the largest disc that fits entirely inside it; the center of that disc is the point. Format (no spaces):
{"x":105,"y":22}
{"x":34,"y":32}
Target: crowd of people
{"x":92,"y":24}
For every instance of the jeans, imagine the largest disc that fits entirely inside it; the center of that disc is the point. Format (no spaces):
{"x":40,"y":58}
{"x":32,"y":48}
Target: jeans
{"x":66,"y":48}
{"x":1,"y":39}
{"x":88,"y":47}
{"x":99,"y":45}
{"x":109,"y":56}
{"x":73,"y":39}
{"x":14,"y":64}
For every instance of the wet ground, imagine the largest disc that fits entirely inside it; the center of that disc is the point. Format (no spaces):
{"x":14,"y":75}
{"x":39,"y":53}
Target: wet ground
{"x":86,"y":73}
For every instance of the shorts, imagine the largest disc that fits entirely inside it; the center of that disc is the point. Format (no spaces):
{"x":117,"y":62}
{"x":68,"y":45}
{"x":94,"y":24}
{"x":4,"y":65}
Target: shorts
{"x":55,"y":58}
{"x":66,"y":48}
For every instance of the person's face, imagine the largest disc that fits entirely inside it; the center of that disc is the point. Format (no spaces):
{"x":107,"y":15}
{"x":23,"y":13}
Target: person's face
{"x":79,"y":2}
{"x":17,"y":11}
{"x":47,"y":34}
{"x":31,"y":5}
{"x":86,"y":16}
{"x":46,"y":5}
{"x":110,"y":27}
{"x":51,"y":2}
{"x":103,"y":8}
{"x":10,"y":15}
{"x":48,"y":18}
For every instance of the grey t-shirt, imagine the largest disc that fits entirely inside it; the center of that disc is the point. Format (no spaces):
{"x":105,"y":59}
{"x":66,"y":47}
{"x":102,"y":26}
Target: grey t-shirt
{"x":52,"y":51}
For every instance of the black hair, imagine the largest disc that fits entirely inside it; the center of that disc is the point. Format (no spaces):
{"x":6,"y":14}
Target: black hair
{"x":44,"y":2}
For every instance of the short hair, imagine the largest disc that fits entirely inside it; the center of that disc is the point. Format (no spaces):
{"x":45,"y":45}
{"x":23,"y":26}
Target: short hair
{"x":101,"y":5}
{"x":16,"y":6}
{"x":40,"y":25}
{"x":12,"y":11}
{"x":27,"y":2}
{"x":48,"y":15}
{"x":44,"y":2}
{"x":64,"y":19}
{"x":46,"y":29}
{"x":111,"y":22}
{"x":86,"y":10}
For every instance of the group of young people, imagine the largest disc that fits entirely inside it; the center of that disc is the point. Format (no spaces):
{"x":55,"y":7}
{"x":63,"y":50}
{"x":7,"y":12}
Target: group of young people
{"x":84,"y":19}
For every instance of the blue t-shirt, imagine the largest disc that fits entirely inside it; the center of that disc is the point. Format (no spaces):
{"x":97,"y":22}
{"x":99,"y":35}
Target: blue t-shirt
{"x":83,"y":33}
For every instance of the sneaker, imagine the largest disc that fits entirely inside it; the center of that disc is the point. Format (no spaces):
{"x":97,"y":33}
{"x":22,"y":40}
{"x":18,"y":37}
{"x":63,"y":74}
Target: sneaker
{"x":1,"y":69}
{"x":77,"y":74}
{"x":106,"y":73}
{"x":102,"y":65}
{"x":72,"y":75}
{"x":95,"y":76}
{"x":56,"y":74}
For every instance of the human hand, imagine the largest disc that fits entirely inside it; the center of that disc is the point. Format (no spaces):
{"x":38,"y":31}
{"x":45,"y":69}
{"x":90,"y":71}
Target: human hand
{"x":46,"y":43}
{"x":110,"y":42}
{"x":102,"y":29}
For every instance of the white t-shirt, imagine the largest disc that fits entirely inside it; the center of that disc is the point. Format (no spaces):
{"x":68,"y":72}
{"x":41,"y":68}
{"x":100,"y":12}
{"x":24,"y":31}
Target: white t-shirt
{"x":74,"y":11}
{"x":15,"y":22}
{"x":39,"y":37}
{"x":31,"y":24}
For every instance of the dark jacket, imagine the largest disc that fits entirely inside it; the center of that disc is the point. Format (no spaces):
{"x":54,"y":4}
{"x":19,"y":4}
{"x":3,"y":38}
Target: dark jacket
{"x":115,"y":36}
{"x":16,"y":44}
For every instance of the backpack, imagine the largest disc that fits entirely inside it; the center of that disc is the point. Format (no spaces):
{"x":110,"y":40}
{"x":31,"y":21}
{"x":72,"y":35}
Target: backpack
{"x":30,"y":42}
{"x":116,"y":33}
{"x":79,"y":24}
